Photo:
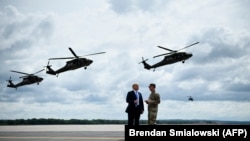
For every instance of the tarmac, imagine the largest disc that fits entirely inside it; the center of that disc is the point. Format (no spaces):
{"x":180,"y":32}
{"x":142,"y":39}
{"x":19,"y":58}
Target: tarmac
{"x":62,"y":132}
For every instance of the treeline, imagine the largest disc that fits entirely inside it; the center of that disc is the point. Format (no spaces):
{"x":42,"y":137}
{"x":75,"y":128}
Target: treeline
{"x":51,"y":121}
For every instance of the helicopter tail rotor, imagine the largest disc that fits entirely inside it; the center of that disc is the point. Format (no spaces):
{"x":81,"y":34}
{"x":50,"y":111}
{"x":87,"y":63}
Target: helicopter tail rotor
{"x":47,"y":66}
{"x":9,"y":80}
{"x":143,"y":61}
{"x":49,"y":70}
{"x":10,"y":83}
{"x":146,"y":65}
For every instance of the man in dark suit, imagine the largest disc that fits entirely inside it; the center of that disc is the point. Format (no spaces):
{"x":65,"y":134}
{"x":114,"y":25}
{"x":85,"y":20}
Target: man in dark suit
{"x":135,"y":105}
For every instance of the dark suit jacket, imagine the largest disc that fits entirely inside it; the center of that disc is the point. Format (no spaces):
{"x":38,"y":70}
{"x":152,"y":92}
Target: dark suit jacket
{"x":131,"y":105}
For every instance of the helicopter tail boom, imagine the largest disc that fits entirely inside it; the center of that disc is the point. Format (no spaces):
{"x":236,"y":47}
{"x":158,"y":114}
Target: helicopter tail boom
{"x":50,"y":71}
{"x":146,"y":65}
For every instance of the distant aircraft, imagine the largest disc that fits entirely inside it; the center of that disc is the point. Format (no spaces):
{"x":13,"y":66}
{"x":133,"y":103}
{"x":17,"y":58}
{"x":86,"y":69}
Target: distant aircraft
{"x":190,"y":98}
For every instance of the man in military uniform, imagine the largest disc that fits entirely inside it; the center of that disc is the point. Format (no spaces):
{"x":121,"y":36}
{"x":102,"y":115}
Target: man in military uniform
{"x":153,"y":101}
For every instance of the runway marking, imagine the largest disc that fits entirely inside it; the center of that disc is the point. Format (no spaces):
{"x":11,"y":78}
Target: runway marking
{"x":74,"y":138}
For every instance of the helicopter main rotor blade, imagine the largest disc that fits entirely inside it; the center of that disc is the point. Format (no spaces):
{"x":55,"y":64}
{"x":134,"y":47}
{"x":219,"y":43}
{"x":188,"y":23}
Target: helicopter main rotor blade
{"x":75,"y":57}
{"x":165,"y":48}
{"x":188,"y":46}
{"x":61,"y":58}
{"x":19,"y":72}
{"x":95,"y":53}
{"x":163,"y":54}
{"x":173,"y":51}
{"x":39,"y":71}
{"x":23,"y":76}
{"x":73,"y":52}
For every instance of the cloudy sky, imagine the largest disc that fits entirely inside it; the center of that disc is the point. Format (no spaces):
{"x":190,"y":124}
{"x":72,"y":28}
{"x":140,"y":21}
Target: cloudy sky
{"x":217,"y":76}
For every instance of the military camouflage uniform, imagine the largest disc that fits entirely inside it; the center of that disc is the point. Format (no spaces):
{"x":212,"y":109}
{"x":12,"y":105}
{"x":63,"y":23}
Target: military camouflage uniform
{"x":154,"y":100}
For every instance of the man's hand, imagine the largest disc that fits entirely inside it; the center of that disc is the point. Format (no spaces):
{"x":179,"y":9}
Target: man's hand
{"x":135,"y":101}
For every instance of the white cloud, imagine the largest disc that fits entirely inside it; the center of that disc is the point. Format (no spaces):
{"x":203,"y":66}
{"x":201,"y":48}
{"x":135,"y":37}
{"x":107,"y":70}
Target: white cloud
{"x":211,"y":110}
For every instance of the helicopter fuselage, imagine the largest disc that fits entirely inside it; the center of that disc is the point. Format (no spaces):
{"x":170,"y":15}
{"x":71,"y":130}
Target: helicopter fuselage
{"x":31,"y":80}
{"x":26,"y":81}
{"x":173,"y":58}
{"x":77,"y":63}
{"x":71,"y":65}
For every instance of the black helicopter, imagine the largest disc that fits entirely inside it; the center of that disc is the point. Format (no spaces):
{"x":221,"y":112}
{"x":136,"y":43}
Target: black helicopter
{"x":75,"y":63}
{"x":190,"y":98}
{"x":173,"y":56}
{"x":27,"y":79}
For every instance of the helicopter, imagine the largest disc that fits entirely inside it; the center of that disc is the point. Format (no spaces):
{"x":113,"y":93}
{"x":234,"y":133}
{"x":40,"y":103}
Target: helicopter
{"x":76,"y":62}
{"x":190,"y":98}
{"x":173,"y":56}
{"x":27,"y":79}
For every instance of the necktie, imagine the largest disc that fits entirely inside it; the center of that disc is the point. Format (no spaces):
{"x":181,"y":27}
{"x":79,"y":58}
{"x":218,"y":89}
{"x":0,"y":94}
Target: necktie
{"x":137,"y":97}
